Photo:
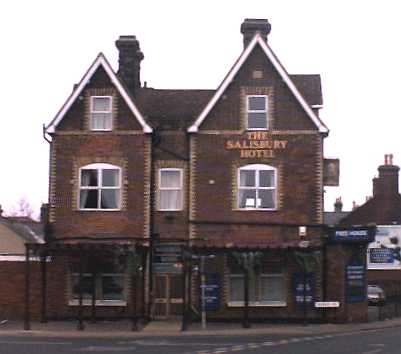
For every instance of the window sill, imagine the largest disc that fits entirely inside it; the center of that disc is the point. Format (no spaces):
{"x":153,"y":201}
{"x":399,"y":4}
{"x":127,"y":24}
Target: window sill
{"x":98,"y":303}
{"x":107,"y":210}
{"x":257,"y":304}
{"x":254,"y":209}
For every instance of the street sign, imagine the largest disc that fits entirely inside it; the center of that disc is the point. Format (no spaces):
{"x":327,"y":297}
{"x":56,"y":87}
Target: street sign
{"x":352,"y":234}
{"x":327,"y":304}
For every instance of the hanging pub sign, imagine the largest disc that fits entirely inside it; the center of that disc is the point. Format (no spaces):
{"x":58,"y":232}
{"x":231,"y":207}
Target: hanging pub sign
{"x":352,"y":234}
{"x":303,"y":289}
{"x":355,"y":281}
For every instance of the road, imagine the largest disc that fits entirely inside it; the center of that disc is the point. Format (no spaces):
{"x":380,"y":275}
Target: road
{"x":384,"y":341}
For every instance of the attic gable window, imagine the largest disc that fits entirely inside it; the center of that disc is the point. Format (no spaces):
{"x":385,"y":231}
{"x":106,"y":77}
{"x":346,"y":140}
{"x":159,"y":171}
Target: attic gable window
{"x":101,"y":113}
{"x":256,"y":108}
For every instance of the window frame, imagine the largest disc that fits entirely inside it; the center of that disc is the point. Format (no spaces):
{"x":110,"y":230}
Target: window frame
{"x":160,"y":189}
{"x":258,"y":291}
{"x":99,"y":296}
{"x":99,"y":167}
{"x":265,"y":111}
{"x":256,"y":168}
{"x":92,"y":112}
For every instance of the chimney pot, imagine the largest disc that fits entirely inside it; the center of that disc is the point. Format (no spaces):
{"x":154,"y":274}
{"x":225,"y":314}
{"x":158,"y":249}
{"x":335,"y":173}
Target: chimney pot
{"x":251,"y":26}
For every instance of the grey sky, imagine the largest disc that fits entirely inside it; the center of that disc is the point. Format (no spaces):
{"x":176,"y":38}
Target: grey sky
{"x":47,"y":46}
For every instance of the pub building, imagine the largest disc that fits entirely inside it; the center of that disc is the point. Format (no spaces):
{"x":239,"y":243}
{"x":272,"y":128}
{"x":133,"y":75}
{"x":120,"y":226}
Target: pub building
{"x":157,"y":195}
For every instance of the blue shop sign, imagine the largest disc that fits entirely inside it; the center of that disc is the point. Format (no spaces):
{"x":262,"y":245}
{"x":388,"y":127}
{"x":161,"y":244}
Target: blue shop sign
{"x":355,"y":282}
{"x":352,"y":234}
{"x":212,"y":292}
{"x":301,"y":282}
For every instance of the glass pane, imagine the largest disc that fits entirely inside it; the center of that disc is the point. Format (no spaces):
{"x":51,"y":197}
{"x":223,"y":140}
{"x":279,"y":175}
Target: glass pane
{"x":87,"y":286}
{"x":170,"y":200}
{"x":236,"y":288}
{"x":101,"y":121}
{"x":89,"y":178}
{"x":257,"y":120}
{"x":110,"y":198}
{"x":267,"y":199}
{"x":88,"y":199}
{"x":101,"y":104}
{"x":110,"y":178}
{"x":112,"y":287}
{"x":257,"y":103}
{"x":247,"y":198}
{"x":247,"y":178}
{"x":266,"y":178}
{"x":272,"y":288}
{"x":170,"y":179}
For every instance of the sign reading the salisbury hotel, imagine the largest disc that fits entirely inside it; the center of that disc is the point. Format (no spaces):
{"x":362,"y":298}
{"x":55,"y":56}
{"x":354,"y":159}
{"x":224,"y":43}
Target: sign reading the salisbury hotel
{"x":256,"y":144}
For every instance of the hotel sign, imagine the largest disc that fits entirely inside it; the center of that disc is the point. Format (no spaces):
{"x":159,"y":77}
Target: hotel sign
{"x":257,"y":144}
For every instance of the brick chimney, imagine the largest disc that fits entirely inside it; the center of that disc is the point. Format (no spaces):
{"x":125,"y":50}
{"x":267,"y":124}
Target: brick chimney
{"x":251,"y":26}
{"x":387,"y":182}
{"x":129,"y":60}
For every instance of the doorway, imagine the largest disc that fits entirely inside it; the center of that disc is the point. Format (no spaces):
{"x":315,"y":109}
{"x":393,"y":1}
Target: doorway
{"x":168,"y":296}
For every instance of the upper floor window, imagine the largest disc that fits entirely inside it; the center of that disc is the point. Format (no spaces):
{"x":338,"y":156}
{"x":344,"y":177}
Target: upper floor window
{"x":256,"y":108}
{"x":99,"y":187}
{"x":101,"y":113}
{"x":257,"y":187}
{"x":170,"y":189}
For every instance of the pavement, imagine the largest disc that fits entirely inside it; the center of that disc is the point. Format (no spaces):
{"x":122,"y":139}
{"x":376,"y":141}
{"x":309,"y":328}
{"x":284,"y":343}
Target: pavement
{"x":122,"y":329}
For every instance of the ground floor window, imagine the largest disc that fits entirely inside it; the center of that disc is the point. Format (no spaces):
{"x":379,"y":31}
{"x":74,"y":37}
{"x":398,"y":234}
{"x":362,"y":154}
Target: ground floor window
{"x":106,"y":280}
{"x":266,"y":286}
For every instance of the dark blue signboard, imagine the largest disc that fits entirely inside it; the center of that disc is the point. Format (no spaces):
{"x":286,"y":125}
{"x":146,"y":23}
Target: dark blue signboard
{"x":166,"y":258}
{"x":302,"y":297}
{"x":355,"y":282}
{"x":352,"y":234}
{"x":212,"y":292}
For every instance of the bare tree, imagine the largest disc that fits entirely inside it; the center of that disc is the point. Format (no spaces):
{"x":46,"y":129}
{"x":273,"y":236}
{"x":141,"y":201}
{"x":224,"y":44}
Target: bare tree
{"x":23,"y":208}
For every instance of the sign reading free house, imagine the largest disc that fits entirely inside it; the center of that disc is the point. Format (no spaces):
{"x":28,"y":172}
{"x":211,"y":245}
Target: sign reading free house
{"x":352,"y":234}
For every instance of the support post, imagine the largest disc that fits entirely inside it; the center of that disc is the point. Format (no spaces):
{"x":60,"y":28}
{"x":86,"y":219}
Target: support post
{"x":43,"y":266}
{"x":305,"y":309}
{"x":80,"y":326}
{"x":184,"y":326}
{"x":93,"y":304}
{"x":189,"y":289}
{"x":144,"y":257}
{"x":134,"y":292}
{"x":245,"y":322}
{"x":27,"y":315}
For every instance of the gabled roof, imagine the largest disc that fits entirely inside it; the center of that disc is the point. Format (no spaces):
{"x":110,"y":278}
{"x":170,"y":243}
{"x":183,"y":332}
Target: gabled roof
{"x":99,"y":61}
{"x":257,"y":39}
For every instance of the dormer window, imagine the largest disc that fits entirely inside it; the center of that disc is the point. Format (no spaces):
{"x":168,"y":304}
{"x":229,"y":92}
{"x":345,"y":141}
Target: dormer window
{"x":101,"y":113}
{"x":256,"y":108}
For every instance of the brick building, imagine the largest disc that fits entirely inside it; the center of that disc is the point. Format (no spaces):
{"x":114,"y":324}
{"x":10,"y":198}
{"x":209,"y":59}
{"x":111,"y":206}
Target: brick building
{"x":226,"y":182}
{"x":384,"y":210}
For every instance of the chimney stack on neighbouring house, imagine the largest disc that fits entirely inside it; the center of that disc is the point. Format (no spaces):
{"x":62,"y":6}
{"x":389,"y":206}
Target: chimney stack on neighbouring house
{"x":387,"y":182}
{"x":129,"y":60}
{"x":251,"y":26}
{"x":338,"y":205}
{"x":1,"y":211}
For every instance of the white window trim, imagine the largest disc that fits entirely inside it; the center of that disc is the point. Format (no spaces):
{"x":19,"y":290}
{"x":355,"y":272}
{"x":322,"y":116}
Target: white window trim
{"x":92,"y":112}
{"x":180,"y":188}
{"x":266,"y":110}
{"x":257,"y":168}
{"x":99,"y":167}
